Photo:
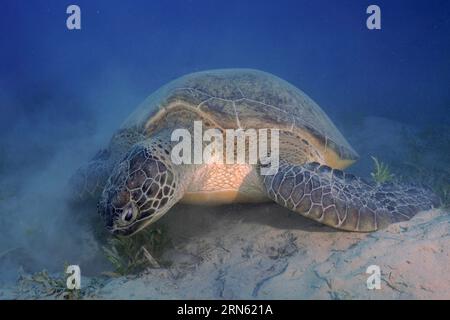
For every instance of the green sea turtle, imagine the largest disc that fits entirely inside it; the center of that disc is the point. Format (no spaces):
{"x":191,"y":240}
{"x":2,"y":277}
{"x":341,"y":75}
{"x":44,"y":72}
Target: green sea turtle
{"x":137,"y":182}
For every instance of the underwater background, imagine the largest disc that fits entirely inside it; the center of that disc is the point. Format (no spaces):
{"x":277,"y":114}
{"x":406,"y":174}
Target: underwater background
{"x":63,"y":93}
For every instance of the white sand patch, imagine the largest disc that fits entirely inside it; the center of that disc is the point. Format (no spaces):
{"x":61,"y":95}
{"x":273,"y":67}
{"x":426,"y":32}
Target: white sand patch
{"x":266,"y":252}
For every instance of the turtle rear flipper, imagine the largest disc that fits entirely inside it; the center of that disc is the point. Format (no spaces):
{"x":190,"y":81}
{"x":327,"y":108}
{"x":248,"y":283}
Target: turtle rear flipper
{"x":343,"y":201}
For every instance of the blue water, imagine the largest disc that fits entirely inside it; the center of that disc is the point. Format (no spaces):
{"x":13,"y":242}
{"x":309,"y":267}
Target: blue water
{"x":401,"y":71}
{"x":60,"y":87}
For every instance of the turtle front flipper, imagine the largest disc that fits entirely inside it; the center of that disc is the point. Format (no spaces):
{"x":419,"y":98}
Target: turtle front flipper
{"x":343,"y":201}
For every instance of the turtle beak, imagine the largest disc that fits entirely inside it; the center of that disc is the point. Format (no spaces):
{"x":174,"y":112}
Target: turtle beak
{"x":127,"y":231}
{"x":122,"y":232}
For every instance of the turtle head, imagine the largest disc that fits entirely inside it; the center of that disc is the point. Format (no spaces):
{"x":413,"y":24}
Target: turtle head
{"x":141,"y":188}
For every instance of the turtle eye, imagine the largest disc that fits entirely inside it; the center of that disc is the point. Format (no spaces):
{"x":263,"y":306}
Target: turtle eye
{"x":127,"y":215}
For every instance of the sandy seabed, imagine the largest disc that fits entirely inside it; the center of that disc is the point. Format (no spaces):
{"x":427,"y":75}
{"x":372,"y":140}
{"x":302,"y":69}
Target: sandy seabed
{"x":267,"y":252}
